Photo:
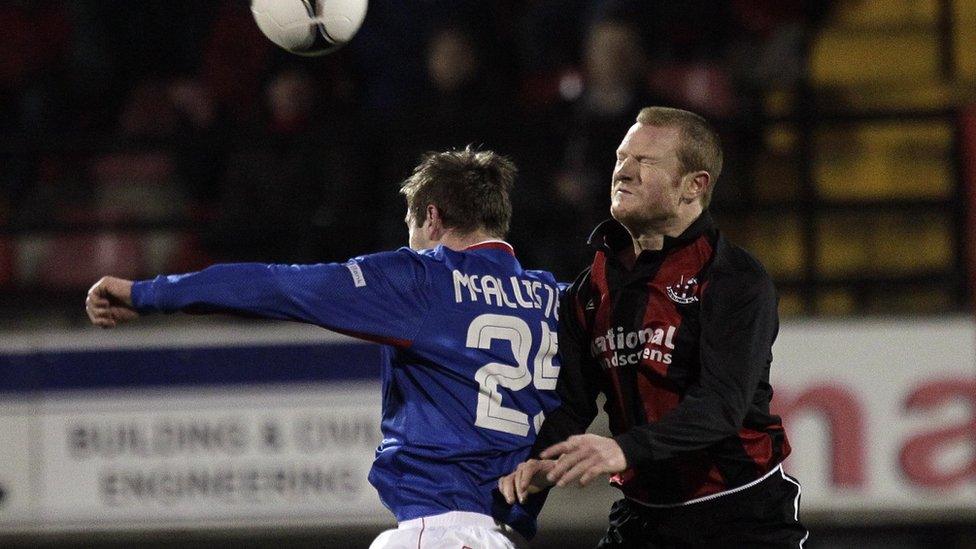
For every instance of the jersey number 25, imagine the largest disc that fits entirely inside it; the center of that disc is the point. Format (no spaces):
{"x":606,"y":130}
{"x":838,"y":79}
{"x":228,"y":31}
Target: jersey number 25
{"x":490,"y":413}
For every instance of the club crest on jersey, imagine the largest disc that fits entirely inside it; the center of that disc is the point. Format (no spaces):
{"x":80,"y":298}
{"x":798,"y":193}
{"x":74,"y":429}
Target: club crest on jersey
{"x":683,"y":292}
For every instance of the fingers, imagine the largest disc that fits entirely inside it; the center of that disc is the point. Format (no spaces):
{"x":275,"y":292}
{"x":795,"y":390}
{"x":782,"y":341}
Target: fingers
{"x":99,"y":311}
{"x":124,"y":314}
{"x":102,"y":318}
{"x":97,"y":305}
{"x":556,"y":450}
{"x":582,"y":458}
{"x":565,"y":462}
{"x":506,"y":485}
{"x":97,"y":296}
{"x":527,"y":479}
{"x":574,"y":469}
{"x":591,"y":472}
{"x":535,"y":478}
{"x":523,"y":479}
{"x":104,"y":308}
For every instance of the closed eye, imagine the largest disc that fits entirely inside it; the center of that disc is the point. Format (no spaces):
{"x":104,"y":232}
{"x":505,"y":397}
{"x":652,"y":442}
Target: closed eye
{"x":642,"y":160}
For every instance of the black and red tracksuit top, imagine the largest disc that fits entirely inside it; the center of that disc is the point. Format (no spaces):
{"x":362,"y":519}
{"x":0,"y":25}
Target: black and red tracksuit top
{"x":679,"y":341}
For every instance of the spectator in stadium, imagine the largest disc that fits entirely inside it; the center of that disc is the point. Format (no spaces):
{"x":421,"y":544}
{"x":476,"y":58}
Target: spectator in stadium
{"x":451,"y":310}
{"x":464,"y":101}
{"x":270,"y":193}
{"x":612,"y":88}
{"x":675,"y":325}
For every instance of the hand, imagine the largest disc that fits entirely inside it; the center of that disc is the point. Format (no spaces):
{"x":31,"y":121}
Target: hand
{"x":527,"y":479}
{"x":584,"y":457}
{"x":109,"y":302}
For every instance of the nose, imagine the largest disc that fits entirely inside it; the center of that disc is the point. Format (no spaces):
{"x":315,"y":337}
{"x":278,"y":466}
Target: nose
{"x":625,"y":171}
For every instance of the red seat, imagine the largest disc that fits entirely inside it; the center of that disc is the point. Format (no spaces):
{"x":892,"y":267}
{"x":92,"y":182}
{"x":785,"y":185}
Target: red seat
{"x":702,"y":86}
{"x":6,"y":262}
{"x":190,"y":255}
{"x":77,"y":261}
{"x":137,"y":186}
{"x":124,"y":168}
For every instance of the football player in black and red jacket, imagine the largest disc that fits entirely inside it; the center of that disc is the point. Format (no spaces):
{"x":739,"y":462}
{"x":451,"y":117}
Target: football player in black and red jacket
{"x":675,"y":326}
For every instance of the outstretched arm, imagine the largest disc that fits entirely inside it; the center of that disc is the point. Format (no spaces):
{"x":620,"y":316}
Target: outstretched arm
{"x":381,"y":297}
{"x":109,"y":302}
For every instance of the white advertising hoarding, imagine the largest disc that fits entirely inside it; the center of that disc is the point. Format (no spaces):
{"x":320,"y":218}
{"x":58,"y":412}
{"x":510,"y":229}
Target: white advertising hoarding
{"x":99,"y":439}
{"x":273,"y":453}
{"x":881,"y":416}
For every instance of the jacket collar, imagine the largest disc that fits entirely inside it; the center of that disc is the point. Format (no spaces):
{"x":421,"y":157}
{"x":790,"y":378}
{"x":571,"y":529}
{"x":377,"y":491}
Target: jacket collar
{"x":611,"y":236}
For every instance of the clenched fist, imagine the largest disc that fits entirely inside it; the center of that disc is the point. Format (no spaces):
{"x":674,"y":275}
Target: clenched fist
{"x":109,"y":302}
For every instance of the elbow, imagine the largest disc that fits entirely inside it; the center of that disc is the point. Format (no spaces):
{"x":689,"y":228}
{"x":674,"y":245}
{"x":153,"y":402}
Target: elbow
{"x":730,"y":414}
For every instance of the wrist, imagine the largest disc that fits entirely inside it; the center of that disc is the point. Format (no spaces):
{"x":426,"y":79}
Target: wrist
{"x":126,"y":292}
{"x":634,"y":453}
{"x":142,"y":296}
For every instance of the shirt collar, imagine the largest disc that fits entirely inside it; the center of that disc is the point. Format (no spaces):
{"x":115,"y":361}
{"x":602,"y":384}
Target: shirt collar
{"x":492,"y":245}
{"x":613,"y":236}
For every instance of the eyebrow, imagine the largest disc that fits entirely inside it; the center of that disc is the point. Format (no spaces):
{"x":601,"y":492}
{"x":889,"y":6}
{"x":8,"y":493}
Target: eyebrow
{"x":639,"y":157}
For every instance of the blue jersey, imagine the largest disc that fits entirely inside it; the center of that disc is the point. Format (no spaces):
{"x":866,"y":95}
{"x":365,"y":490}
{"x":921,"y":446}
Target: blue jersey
{"x":470,"y":358}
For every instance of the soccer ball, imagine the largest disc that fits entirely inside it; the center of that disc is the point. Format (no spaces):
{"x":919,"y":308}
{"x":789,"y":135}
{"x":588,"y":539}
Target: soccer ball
{"x":309,"y":27}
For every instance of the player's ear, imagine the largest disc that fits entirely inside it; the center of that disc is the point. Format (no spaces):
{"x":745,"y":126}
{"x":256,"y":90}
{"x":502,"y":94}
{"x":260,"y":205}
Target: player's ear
{"x":434,"y":223}
{"x":696,"y":184}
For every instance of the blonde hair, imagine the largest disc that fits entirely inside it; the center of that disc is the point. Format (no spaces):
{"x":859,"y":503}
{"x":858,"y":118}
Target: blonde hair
{"x":699,"y":149}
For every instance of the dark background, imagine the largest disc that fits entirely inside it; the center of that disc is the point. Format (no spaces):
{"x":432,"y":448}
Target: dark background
{"x":161,"y":136}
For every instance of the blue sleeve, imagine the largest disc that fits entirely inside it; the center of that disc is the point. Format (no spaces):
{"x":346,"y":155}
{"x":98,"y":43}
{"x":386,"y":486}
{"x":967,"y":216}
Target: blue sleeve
{"x":381,"y":297}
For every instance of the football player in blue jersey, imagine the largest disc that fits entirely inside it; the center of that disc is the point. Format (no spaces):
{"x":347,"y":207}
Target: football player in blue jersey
{"x":469,"y":340}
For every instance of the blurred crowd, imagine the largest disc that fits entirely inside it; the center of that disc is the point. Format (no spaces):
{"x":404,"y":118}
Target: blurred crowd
{"x":178,"y":113}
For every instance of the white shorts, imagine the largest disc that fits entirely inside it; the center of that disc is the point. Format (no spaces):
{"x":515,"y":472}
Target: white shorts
{"x":454,"y":530}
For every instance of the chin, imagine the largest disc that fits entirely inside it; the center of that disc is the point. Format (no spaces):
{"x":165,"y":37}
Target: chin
{"x":624,"y":217}
{"x":635,"y":221}
{"x":621,"y":208}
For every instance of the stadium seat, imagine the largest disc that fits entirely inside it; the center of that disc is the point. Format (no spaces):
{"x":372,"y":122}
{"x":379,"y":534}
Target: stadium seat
{"x":188,"y":254}
{"x":778,"y":243}
{"x":779,"y":178}
{"x":137,"y":186}
{"x":885,"y":55}
{"x":842,"y":57}
{"x":883,"y":244}
{"x":886,"y":13}
{"x":836,"y":302}
{"x":878,"y":161}
{"x":701,"y":86}
{"x":964,"y":18}
{"x":790,"y":303}
{"x":774,"y":240}
{"x":920,"y":301}
{"x":910,"y":244}
{"x":76,"y":261}
{"x":6,"y":261}
{"x":910,"y":95}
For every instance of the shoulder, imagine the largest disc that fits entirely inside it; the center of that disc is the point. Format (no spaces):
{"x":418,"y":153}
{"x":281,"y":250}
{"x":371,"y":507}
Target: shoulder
{"x":738,"y":272}
{"x":576,"y":301}
{"x":402,"y":256}
{"x":580,"y":286}
{"x":544,"y":276}
{"x":400,"y":263}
